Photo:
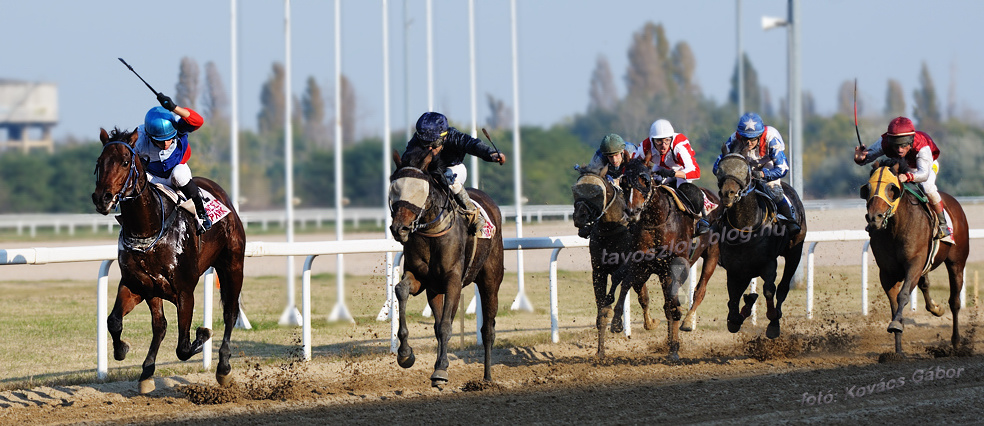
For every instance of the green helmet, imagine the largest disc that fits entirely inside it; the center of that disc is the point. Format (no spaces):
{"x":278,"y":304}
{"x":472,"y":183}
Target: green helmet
{"x":612,"y":144}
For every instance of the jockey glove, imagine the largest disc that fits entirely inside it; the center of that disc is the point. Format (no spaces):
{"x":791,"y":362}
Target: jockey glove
{"x":666,"y":173}
{"x":165,"y":101}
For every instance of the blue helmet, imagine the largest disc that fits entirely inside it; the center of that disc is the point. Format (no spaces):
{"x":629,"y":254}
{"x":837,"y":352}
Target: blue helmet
{"x":431,"y":126}
{"x":750,"y":125}
{"x":159,"y":125}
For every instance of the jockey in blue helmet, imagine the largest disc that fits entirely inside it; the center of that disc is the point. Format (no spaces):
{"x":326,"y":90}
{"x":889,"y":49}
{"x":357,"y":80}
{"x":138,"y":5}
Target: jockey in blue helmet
{"x":163,"y":145}
{"x":763,"y":147}
{"x":434,"y":133}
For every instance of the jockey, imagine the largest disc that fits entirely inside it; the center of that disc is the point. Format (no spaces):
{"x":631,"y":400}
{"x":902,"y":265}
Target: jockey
{"x":902,"y":141}
{"x":763,"y":147}
{"x":433,"y":133}
{"x":675,"y":162}
{"x":163,"y":146}
{"x":613,"y":152}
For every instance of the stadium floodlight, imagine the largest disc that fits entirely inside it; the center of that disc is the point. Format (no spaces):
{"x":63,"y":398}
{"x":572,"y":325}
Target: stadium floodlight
{"x":770,"y":22}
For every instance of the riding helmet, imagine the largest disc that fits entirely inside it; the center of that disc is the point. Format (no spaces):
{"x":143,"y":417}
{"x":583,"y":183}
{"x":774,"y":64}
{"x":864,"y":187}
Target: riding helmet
{"x":159,"y":125}
{"x":901,"y":126}
{"x":431,"y":126}
{"x":660,"y":129}
{"x":612,"y":144}
{"x":750,"y":125}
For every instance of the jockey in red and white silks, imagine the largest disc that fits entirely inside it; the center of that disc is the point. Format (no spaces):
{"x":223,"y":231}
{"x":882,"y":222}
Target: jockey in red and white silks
{"x":673,"y":160}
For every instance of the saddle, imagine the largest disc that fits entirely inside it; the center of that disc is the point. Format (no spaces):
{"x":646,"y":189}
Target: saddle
{"x":920,"y":197}
{"x":213,"y":207}
{"x":683,"y":203}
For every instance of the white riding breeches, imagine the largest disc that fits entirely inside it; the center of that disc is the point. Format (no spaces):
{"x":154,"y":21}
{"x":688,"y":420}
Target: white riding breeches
{"x":180,"y":176}
{"x":929,"y":186}
{"x":460,"y":177}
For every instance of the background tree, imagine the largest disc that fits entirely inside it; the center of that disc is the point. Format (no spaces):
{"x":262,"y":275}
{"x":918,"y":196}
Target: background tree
{"x":845,"y":100}
{"x":313,"y":109}
{"x":602,"y":93}
{"x":215,"y":100}
{"x":186,"y":90}
{"x":926,"y":108}
{"x":500,"y":116}
{"x":349,"y":112}
{"x":753,"y":92}
{"x":894,"y":99}
{"x":271,"y":116}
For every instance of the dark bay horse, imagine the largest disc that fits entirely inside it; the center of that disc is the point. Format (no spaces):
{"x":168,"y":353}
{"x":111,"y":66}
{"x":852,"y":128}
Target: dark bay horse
{"x":441,"y":257}
{"x":599,"y":214}
{"x":662,"y":243}
{"x":752,"y":239}
{"x":902,"y":231}
{"x":161,"y":258}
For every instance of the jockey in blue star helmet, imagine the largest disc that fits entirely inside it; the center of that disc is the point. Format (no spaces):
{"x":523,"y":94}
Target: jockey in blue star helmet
{"x":763,"y":147}
{"x":433,"y":132}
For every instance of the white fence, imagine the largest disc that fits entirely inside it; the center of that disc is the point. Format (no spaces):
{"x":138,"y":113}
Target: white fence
{"x":108,"y":253}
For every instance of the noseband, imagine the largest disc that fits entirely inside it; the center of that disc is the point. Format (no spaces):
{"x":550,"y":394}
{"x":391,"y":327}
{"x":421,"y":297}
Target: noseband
{"x":131,"y":176}
{"x":415,"y":225}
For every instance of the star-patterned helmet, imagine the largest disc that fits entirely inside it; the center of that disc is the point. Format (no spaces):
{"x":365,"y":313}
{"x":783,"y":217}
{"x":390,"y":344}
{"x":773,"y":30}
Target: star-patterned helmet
{"x":750,"y":125}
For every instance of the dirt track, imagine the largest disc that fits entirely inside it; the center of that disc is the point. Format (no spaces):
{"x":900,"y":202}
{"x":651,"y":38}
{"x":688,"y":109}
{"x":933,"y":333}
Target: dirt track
{"x":722,"y":378}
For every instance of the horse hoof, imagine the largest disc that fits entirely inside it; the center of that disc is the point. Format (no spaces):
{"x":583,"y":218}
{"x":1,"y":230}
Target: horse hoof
{"x":651,"y":325}
{"x":772,"y":331}
{"x":147,"y":386}
{"x":895,"y":327}
{"x":119,"y":351}
{"x":439,"y":378}
{"x":889,"y":357}
{"x":673,"y":356}
{"x":202,"y":334}
{"x":936,"y":310}
{"x":225,"y":380}
{"x":617,"y":328}
{"x":406,"y":362}
{"x":686,"y":324}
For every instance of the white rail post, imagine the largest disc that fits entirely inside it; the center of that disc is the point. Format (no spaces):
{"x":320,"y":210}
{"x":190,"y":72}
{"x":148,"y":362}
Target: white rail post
{"x":306,"y":306}
{"x":102,"y":330}
{"x":625,"y":314}
{"x":809,"y":280}
{"x":864,"y":277}
{"x":393,"y":308}
{"x":751,"y":290}
{"x":554,"y":319}
{"x":207,"y":320}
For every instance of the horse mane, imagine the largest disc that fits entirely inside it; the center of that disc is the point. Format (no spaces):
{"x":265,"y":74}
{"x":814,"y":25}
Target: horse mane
{"x":895,"y":164}
{"x":118,"y":134}
{"x":635,"y":166}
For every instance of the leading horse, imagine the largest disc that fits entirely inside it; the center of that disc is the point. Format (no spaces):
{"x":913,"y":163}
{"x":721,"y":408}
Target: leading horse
{"x":440,"y":256}
{"x":902,"y":231}
{"x":752,"y":239}
{"x":161,"y":258}
{"x":663,"y":243}
{"x":599,"y":214}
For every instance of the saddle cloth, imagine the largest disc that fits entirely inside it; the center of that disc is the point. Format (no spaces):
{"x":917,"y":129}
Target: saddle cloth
{"x":213,"y":207}
{"x":488,"y":230}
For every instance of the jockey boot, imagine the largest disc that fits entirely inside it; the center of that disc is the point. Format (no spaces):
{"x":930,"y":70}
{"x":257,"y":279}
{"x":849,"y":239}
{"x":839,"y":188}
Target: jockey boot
{"x":702,"y":227}
{"x":475,"y":219}
{"x":191,"y":191}
{"x":787,"y":215}
{"x":944,"y":231}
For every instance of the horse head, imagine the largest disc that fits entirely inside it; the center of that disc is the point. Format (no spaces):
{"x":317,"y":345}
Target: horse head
{"x":595,"y":200}
{"x":409,"y":192}
{"x":639,"y":187}
{"x":882,"y":193}
{"x":119,"y":171}
{"x":734,"y":177}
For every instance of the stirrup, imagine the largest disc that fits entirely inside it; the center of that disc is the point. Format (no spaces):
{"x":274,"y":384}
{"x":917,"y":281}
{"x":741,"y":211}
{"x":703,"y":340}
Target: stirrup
{"x":702,"y":227}
{"x":944,"y":234}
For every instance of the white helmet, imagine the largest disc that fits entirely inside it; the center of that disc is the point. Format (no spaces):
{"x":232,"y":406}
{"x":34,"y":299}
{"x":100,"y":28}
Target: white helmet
{"x":660,"y":129}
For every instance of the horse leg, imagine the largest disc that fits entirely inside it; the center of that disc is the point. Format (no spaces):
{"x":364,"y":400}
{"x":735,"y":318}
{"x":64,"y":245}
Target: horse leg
{"x":737,"y":284}
{"x":126,"y":300}
{"x":902,"y":299}
{"x":488,"y":287}
{"x":444,"y":306}
{"x":600,"y":282}
{"x":892,"y":289}
{"x":407,"y":286}
{"x":671,"y":283}
{"x":159,"y":327}
{"x":769,"y":290}
{"x":690,"y":321}
{"x":931,"y":304}
{"x":955,"y":272}
{"x":186,"y":310}
{"x":642,"y":291}
{"x":631,"y":279}
{"x":232,"y":285}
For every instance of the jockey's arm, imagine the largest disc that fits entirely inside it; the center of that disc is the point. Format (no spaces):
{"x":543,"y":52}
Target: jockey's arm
{"x":924,"y":166}
{"x":870,"y":155}
{"x":190,"y":120}
{"x":469,"y":144}
{"x":780,"y":167}
{"x":684,"y":154}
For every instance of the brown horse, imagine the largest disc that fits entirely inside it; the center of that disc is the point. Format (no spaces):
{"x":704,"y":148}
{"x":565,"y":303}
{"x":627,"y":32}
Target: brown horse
{"x":902,"y":240}
{"x":161,"y":258}
{"x":599,"y":214}
{"x":662,"y":244}
{"x":752,"y":240}
{"x":441,"y":257}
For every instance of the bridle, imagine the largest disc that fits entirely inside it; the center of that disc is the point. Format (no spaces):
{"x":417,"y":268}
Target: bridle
{"x":415,"y":225}
{"x":131,"y":176}
{"x":604,"y":209}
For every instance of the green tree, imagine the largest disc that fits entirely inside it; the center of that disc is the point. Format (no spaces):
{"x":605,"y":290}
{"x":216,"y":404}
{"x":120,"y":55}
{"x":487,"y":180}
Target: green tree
{"x":272,"y":104}
{"x":894,"y":99}
{"x":313,"y":108}
{"x":186,"y":90}
{"x":753,"y":92}
{"x":602,"y":93}
{"x":926,"y":110}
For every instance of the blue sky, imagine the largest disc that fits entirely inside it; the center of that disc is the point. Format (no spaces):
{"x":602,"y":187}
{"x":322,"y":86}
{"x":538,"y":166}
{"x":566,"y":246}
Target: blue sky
{"x":75,"y":45}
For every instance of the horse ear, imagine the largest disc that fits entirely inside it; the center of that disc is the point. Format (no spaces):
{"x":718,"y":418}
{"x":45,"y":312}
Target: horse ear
{"x":396,"y":159}
{"x":103,"y":136}
{"x":133,"y":139}
{"x":428,"y":158}
{"x":603,"y":171}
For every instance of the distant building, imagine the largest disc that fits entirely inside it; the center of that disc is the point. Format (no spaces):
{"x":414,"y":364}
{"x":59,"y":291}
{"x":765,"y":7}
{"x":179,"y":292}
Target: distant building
{"x":28,"y":111}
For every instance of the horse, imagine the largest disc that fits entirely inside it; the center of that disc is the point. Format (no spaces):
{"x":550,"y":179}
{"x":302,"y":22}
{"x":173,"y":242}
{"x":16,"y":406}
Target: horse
{"x":441,"y":257}
{"x":161,"y":257}
{"x":902,"y":231}
{"x":599,"y":214}
{"x":663,"y":244}
{"x":752,"y":239}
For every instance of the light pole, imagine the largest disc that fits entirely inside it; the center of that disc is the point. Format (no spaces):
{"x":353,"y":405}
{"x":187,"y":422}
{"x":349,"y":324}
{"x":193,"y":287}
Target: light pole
{"x":794,"y":95}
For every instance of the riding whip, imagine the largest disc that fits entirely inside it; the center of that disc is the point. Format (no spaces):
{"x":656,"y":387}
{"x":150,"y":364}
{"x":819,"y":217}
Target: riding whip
{"x":138,"y":75}
{"x":856,"y":130}
{"x":490,"y":141}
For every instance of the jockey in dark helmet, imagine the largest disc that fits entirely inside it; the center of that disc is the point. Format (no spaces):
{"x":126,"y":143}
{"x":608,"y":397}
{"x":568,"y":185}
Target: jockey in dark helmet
{"x":763,"y":147}
{"x":434,"y":133}
{"x":163,"y":145}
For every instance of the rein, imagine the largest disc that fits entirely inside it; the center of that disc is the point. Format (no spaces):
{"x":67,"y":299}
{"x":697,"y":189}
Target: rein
{"x":130,"y":242}
{"x":131,"y":180}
